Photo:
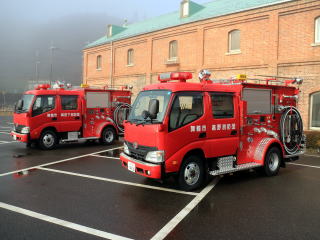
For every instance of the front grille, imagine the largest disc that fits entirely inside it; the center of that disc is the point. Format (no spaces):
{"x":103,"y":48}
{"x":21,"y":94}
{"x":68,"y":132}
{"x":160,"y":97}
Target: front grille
{"x":18,"y":128}
{"x":140,"y":152}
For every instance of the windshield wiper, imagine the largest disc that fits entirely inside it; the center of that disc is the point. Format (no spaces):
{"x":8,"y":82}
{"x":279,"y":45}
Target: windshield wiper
{"x":134,"y":120}
{"x":148,"y":121}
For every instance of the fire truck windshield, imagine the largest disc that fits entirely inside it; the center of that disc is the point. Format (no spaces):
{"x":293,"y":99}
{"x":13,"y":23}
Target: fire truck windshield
{"x":141,"y":104}
{"x":26,"y":103}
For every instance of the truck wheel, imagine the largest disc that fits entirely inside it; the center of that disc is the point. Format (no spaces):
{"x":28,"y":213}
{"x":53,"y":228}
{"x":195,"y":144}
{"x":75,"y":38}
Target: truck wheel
{"x":191,"y":173}
{"x":48,"y":140}
{"x":108,"y":136}
{"x":272,"y":162}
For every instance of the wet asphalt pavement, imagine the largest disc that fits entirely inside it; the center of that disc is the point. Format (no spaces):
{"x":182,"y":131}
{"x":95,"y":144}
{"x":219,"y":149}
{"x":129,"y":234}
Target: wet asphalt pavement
{"x":80,"y":191}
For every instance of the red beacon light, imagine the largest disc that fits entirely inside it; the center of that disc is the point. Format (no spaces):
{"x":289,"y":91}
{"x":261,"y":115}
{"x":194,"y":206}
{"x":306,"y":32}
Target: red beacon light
{"x":171,"y":76}
{"x":42,"y":87}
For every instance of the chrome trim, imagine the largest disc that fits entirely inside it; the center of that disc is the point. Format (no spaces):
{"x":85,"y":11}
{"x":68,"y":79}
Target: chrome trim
{"x":13,"y":132}
{"x":138,"y":161}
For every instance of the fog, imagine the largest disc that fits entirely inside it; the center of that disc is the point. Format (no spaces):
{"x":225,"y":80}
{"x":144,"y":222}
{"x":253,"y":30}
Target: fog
{"x":25,"y":43}
{"x":27,"y":29}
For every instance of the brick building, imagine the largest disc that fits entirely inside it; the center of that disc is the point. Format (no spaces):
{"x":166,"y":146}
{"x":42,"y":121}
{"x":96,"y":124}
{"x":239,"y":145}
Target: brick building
{"x":267,"y":37}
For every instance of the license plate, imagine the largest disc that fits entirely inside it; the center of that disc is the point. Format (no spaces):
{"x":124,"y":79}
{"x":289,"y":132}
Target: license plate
{"x":131,"y":167}
{"x":14,"y":137}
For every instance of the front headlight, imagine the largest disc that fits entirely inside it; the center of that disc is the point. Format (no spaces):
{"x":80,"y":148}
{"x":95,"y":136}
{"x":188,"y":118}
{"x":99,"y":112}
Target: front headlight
{"x":126,"y":149}
{"x":155,"y":156}
{"x":25,"y":130}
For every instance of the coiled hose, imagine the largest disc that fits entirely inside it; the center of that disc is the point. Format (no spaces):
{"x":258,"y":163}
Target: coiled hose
{"x":291,"y":129}
{"x":120,"y":114}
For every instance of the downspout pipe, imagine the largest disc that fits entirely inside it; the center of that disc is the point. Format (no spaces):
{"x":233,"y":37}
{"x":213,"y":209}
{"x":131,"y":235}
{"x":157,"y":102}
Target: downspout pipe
{"x":111,"y":62}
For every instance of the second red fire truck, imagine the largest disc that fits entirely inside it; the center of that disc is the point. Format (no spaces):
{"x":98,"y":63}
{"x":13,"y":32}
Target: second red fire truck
{"x":212,"y":127}
{"x":47,"y":115}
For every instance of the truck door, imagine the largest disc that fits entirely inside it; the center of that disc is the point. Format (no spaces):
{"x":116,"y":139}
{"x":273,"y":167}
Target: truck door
{"x":223,"y":132}
{"x":44,"y":112}
{"x":186,"y":121}
{"x":70,"y":119}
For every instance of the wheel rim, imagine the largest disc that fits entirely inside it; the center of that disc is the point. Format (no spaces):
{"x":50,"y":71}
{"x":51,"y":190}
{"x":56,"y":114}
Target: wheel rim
{"x":192,"y":173}
{"x":273,"y":161}
{"x":48,"y":140}
{"x":109,"y":136}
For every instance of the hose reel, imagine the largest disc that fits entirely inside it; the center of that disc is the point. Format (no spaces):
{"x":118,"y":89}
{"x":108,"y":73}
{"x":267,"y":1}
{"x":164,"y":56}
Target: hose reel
{"x":291,"y":130}
{"x":120,"y":114}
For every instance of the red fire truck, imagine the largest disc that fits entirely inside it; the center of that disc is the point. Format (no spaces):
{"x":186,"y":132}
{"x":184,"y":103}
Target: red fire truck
{"x":213,"y":127}
{"x":49,"y":115}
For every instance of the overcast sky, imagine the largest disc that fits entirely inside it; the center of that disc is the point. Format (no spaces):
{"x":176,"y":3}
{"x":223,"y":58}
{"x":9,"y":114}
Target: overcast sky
{"x":44,"y":10}
{"x":28,"y":26}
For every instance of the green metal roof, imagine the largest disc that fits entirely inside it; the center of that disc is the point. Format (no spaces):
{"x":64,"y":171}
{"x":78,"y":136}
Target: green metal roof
{"x":197,"y":12}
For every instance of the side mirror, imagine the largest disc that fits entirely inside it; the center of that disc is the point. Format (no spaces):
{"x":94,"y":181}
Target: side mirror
{"x":153,"y":108}
{"x":19,"y":104}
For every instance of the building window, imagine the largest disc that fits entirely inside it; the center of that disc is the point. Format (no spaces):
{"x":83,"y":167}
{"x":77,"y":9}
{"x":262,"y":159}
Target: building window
{"x":234,"y":41}
{"x":173,"y":50}
{"x":99,"y":59}
{"x":130,"y":57}
{"x":315,"y":110}
{"x":317,"y":30}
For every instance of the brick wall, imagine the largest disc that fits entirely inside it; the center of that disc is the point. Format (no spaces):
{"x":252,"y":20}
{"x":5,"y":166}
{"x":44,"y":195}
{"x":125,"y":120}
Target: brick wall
{"x":275,"y":40}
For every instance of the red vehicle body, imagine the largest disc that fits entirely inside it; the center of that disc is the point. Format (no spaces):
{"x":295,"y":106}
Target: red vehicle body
{"x":47,"y":116}
{"x":211,"y":127}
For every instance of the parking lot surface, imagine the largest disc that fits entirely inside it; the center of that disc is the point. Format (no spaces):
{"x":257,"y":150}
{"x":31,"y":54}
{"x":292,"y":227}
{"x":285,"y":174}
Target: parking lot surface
{"x":80,"y":191}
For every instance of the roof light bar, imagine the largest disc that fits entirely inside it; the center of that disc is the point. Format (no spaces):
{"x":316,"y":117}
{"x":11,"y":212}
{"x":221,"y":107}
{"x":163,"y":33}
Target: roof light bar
{"x":179,"y":76}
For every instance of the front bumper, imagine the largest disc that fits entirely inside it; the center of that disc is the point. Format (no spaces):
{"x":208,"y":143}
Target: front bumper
{"x":149,"y":170}
{"x":20,"y":137}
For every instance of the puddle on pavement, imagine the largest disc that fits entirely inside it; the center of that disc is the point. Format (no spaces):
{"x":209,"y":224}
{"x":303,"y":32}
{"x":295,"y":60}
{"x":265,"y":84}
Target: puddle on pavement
{"x":20,"y":155}
{"x":24,"y":173}
{"x":113,"y":153}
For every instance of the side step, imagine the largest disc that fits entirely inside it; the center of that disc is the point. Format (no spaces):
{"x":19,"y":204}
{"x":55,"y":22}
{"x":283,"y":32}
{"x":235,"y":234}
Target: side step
{"x":235,"y":169}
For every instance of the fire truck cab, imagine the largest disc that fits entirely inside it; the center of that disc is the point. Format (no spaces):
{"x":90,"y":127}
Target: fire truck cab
{"x":48,"y":115}
{"x":212,"y":127}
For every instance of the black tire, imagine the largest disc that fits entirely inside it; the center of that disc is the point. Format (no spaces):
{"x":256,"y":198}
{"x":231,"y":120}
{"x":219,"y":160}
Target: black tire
{"x":191,"y":174}
{"x":108,"y":136}
{"x":272,"y":162}
{"x":48,"y":140}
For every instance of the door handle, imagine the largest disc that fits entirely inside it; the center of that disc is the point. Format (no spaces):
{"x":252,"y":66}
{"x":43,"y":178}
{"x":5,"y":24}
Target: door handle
{"x":77,"y":118}
{"x":234,"y":132}
{"x":54,"y":119}
{"x":202,"y":135}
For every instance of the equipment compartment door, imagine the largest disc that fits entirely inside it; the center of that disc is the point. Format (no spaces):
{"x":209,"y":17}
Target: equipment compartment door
{"x":97,"y":112}
{"x":223,"y":132}
{"x":70,"y":113}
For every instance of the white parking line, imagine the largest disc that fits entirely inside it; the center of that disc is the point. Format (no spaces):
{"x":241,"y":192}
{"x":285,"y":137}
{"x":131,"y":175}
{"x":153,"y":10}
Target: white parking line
{"x":55,"y":162}
{"x":5,"y":132}
{"x":310,"y":155}
{"x":117,"y":181}
{"x":100,"y":156}
{"x":63,"y":223}
{"x":184,"y":212}
{"x":304,"y":165}
{"x":3,"y":142}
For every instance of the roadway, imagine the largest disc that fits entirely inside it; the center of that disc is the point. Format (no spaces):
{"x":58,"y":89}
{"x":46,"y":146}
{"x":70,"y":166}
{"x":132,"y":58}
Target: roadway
{"x":80,"y":191}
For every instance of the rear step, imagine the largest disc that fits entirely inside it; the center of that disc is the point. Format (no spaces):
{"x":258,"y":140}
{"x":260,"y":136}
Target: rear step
{"x":231,"y":169}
